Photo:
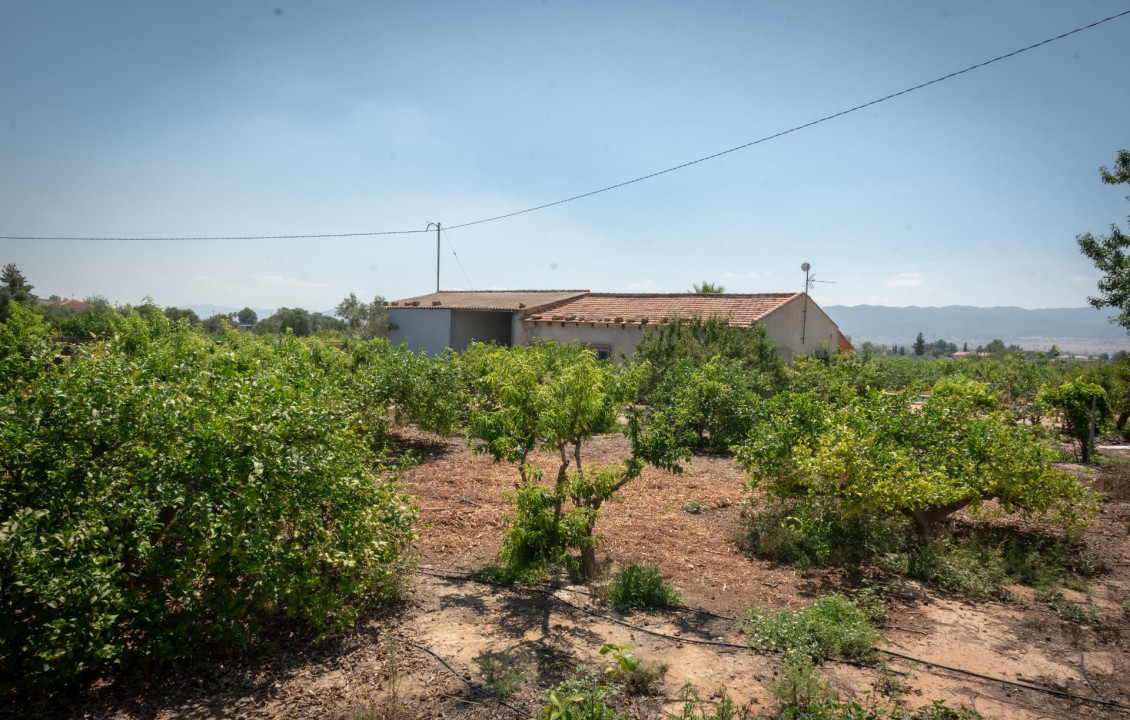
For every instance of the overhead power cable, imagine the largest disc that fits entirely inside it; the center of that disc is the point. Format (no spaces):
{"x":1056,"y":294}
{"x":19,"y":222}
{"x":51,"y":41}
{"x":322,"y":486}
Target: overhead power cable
{"x":457,"y":260}
{"x":641,"y":178}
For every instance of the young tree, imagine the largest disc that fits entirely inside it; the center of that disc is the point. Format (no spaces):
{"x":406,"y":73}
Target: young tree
{"x":920,"y":345}
{"x":1108,"y":252}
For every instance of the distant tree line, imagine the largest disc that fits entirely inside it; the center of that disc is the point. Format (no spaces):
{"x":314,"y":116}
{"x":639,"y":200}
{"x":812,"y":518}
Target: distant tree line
{"x":352,"y":317}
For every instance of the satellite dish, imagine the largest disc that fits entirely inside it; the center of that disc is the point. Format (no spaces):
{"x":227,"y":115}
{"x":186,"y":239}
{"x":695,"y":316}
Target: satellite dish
{"x":805,"y":267}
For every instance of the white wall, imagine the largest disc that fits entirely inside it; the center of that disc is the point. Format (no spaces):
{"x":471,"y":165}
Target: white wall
{"x":619,"y":340}
{"x":785,"y":326}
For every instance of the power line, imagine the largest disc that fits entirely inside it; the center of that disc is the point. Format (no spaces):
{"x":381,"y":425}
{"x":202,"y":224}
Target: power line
{"x":451,"y":247}
{"x":544,"y":206}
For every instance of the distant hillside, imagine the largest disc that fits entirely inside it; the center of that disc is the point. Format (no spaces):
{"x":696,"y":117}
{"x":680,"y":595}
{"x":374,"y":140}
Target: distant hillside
{"x":1072,"y":329}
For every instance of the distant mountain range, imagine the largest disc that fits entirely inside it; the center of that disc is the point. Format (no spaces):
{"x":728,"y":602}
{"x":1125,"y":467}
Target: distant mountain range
{"x":1071,"y":329}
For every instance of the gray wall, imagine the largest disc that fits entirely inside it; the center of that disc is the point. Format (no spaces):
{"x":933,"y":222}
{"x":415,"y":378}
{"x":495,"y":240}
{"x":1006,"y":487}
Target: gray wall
{"x":427,"y":330}
{"x":479,"y":326}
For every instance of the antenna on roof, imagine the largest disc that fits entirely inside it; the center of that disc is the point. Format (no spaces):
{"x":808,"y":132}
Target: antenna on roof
{"x":804,"y":313}
{"x":429,"y":227}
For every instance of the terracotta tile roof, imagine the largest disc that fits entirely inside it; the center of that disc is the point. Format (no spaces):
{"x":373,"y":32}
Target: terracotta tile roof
{"x":501,"y":300}
{"x":845,"y":344}
{"x":640,"y":309}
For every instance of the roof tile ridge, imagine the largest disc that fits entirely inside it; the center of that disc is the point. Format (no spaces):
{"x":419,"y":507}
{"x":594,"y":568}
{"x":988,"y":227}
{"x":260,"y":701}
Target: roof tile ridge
{"x":556,"y":303}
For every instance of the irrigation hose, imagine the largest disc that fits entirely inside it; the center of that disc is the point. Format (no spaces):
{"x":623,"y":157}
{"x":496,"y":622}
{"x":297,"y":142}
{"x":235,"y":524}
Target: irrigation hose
{"x":456,"y":673}
{"x":1051,"y":691}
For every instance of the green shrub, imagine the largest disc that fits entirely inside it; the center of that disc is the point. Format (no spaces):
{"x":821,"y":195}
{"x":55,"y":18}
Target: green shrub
{"x":694,"y":507}
{"x":639,"y":587}
{"x":819,"y":533}
{"x":161,"y":492}
{"x":832,"y":627}
{"x":964,"y":569}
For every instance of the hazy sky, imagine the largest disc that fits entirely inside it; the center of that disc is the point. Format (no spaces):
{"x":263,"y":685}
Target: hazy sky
{"x":220,"y":118}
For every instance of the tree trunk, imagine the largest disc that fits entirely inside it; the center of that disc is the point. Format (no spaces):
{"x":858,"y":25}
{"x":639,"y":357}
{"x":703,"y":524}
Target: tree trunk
{"x":925,"y":518}
{"x":588,"y":563}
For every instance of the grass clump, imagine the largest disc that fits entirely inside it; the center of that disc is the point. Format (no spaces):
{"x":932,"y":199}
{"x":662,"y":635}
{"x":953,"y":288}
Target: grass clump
{"x":832,"y":627}
{"x":694,"y":507}
{"x":638,"y":587}
{"x":505,"y":671}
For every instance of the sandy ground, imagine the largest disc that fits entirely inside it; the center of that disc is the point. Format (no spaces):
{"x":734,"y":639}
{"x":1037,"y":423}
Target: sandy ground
{"x":460,"y":496}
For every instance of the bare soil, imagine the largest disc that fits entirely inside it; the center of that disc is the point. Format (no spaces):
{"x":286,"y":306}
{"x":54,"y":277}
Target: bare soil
{"x":380,"y":670}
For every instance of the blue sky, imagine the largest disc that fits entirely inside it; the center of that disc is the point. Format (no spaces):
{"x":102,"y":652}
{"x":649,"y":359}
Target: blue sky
{"x":218,"y":118}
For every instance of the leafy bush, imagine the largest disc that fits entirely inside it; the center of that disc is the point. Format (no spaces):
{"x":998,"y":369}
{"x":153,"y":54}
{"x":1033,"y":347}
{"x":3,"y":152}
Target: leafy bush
{"x":694,"y":507}
{"x":639,"y":587}
{"x":160,"y":492}
{"x":832,"y":627}
{"x":695,"y":342}
{"x":819,"y":533}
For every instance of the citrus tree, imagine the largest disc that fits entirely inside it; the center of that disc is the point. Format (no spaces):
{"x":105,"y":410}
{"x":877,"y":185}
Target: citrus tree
{"x":882,"y":453}
{"x":161,"y":492}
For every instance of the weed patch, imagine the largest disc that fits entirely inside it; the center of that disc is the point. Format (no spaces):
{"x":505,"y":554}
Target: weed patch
{"x":635,"y":676}
{"x":832,"y":627}
{"x":694,"y":507}
{"x":695,"y":708}
{"x":800,"y":685}
{"x":505,"y":671}
{"x":583,"y":697}
{"x":638,"y":587}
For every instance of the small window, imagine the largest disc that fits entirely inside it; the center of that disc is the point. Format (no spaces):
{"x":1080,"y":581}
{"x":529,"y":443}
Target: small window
{"x":603,"y":352}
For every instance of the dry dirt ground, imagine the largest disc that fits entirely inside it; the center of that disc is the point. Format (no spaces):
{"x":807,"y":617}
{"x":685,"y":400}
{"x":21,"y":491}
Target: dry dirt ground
{"x":383,"y":663}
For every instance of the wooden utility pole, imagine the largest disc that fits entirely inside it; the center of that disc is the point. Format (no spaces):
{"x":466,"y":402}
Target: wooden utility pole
{"x":437,"y":251}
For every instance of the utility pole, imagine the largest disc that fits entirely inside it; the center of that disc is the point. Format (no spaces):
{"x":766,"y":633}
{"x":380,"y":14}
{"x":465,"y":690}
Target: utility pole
{"x":437,"y":251}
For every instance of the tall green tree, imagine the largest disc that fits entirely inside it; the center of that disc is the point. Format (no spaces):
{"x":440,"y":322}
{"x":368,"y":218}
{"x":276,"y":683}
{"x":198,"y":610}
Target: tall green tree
{"x":366,"y":320}
{"x":247,"y":316}
{"x":13,"y":287}
{"x":1108,"y":252}
{"x":920,"y":345}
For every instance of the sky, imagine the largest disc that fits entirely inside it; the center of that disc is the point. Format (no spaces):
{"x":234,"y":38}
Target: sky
{"x":210,"y":118}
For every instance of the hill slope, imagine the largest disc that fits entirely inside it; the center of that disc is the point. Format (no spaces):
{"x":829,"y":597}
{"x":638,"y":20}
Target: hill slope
{"x":1076,"y":329}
